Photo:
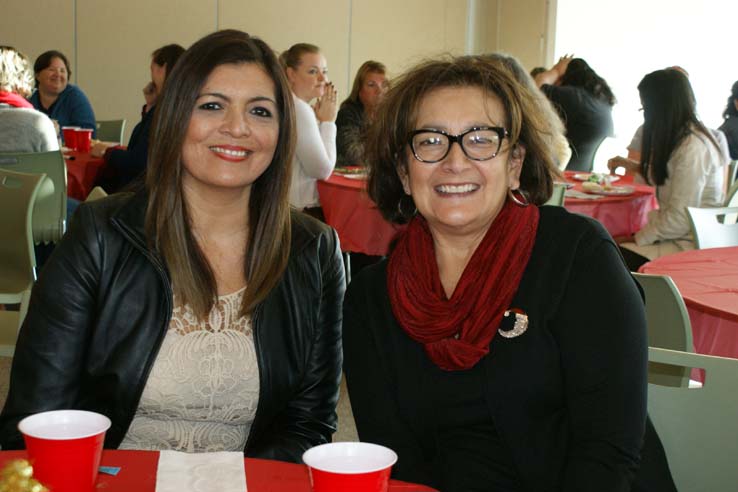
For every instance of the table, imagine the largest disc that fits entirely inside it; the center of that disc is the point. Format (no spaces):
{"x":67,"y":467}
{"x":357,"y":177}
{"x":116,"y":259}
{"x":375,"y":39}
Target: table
{"x":350,"y":211}
{"x":708,"y":282}
{"x":621,"y":215}
{"x":138,"y":473}
{"x":82,"y":171}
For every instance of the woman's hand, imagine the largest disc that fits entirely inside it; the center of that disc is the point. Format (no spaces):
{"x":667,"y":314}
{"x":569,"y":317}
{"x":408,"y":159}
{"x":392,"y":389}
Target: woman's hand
{"x":149,"y":92}
{"x":326,"y":108}
{"x":562,"y":64}
{"x":99,"y":148}
{"x":630,"y":166}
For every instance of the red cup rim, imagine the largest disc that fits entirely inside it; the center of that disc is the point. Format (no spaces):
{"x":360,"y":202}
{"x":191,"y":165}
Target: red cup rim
{"x":71,"y":128}
{"x":26,"y":426}
{"x":311,"y":454}
{"x":86,"y":130}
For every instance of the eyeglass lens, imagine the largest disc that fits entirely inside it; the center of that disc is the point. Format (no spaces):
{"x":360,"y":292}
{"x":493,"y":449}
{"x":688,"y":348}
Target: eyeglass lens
{"x":432,"y":146}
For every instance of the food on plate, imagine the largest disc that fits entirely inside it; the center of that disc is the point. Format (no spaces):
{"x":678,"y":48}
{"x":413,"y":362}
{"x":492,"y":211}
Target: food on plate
{"x":350,"y":170}
{"x":592,"y":187}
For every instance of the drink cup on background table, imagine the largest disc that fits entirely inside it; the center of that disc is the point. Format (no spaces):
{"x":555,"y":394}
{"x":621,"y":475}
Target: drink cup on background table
{"x":354,"y":466}
{"x":84,"y":139}
{"x":70,"y":136}
{"x":64,"y":448}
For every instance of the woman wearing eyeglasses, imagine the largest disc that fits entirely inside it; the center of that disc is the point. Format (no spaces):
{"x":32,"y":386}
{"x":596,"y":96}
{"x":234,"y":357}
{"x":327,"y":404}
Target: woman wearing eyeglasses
{"x":502,"y":345}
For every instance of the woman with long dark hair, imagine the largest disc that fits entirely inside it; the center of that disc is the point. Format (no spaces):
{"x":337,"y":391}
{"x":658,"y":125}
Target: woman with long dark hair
{"x":584,"y":101}
{"x":680,"y":157}
{"x":125,"y":165}
{"x":730,"y":125}
{"x":201,"y":313}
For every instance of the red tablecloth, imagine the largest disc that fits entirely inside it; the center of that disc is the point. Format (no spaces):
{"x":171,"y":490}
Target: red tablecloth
{"x":82,"y":170}
{"x":138,"y":473}
{"x":349,"y":210}
{"x":621,"y":215}
{"x":708,"y":282}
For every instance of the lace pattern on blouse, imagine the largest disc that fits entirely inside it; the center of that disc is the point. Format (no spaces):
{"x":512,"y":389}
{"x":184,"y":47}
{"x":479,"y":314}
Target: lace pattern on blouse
{"x":203,"y":389}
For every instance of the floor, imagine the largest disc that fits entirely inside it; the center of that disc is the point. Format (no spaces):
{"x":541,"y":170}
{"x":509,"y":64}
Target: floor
{"x":346,"y":426}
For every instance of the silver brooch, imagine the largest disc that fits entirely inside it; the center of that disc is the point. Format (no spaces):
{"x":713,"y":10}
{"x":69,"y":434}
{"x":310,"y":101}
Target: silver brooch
{"x":520,"y":325}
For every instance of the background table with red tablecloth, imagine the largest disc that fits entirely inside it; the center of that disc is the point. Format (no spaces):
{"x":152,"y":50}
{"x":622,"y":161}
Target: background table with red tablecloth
{"x":621,"y":215}
{"x":350,"y":211}
{"x":82,"y":171}
{"x":138,"y":473}
{"x":708,"y":282}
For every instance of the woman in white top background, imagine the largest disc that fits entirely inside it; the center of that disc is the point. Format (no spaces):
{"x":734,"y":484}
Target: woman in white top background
{"x":315,"y":152}
{"x":681,"y":157}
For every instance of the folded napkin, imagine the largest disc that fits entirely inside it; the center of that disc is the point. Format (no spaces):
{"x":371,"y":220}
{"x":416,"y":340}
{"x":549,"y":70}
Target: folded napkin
{"x":580,"y":194}
{"x":201,"y":472}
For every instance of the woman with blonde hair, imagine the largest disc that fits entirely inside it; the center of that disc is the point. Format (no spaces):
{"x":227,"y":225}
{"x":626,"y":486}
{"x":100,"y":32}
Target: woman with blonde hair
{"x":22,"y":128}
{"x":315,"y":150}
{"x":201,"y":313}
{"x":358,"y":111}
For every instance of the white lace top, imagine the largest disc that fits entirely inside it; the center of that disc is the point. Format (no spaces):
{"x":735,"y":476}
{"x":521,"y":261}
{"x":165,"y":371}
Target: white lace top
{"x":203,"y":389}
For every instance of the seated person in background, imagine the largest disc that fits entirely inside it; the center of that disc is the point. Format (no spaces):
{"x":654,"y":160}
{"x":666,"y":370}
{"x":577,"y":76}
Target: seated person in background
{"x":470,"y":351}
{"x":558,"y":142}
{"x":63,"y":102}
{"x":315,"y":151}
{"x":584,"y":101}
{"x":125,"y":165}
{"x":22,"y":128}
{"x":730,"y":125}
{"x":634,"y":147}
{"x":206,"y":267}
{"x":357,"y":111}
{"x":680,"y":157}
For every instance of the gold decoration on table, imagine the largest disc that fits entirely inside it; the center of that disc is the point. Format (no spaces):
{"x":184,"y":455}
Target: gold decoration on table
{"x":17,"y":476}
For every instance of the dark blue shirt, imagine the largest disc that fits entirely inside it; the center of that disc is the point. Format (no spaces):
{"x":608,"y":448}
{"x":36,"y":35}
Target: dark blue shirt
{"x":71,"y":108}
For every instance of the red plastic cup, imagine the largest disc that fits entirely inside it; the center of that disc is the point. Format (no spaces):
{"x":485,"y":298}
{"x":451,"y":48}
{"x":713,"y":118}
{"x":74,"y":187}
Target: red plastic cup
{"x":70,"y":136}
{"x":84,"y":139}
{"x":64,"y":448}
{"x":354,"y":466}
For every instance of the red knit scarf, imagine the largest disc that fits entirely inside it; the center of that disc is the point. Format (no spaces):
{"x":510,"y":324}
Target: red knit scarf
{"x":14,"y":100}
{"x":456,"y":332}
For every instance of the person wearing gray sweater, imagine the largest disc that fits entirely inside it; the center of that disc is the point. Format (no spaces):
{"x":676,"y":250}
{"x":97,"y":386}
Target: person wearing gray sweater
{"x":22,"y":128}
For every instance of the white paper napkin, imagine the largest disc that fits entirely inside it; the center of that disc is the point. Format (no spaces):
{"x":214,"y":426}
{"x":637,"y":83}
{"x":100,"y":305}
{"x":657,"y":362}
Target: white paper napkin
{"x":200,"y":472}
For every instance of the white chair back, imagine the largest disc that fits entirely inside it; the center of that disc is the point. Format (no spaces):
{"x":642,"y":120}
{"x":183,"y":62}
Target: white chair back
{"x":714,"y":227}
{"x":698,"y":426}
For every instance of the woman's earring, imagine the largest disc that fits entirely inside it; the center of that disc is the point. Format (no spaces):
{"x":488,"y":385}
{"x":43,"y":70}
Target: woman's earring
{"x":402,"y":213}
{"x":522,"y":201}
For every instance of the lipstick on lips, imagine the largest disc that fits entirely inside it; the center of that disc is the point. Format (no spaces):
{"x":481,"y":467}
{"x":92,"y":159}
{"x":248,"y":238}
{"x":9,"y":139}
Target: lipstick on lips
{"x":231,"y":153}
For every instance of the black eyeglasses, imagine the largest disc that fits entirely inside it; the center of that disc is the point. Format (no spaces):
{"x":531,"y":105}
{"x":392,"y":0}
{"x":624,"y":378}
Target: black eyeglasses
{"x":479,"y":143}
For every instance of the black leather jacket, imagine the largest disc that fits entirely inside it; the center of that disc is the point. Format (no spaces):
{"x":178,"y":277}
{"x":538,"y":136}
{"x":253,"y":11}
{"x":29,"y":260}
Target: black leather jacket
{"x":101,"y":308}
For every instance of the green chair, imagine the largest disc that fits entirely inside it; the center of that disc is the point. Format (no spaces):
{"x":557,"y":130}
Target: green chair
{"x":714,"y":227}
{"x":668,"y":326}
{"x":111,"y":130}
{"x":557,"y":197}
{"x":18,"y":192}
{"x":50,"y":209}
{"x":698,"y":426}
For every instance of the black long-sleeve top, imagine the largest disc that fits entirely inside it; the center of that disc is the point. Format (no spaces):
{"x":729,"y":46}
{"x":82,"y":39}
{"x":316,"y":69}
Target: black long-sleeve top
{"x":561,"y":407}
